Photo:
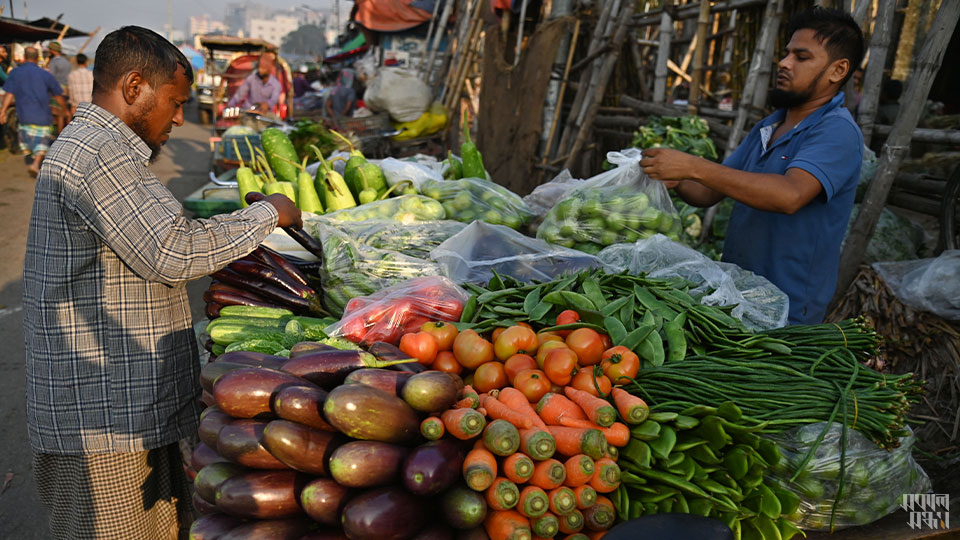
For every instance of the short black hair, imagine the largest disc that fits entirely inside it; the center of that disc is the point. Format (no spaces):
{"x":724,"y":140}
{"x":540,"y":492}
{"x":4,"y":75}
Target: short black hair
{"x":81,"y":59}
{"x":837,"y":30}
{"x":134,"y":48}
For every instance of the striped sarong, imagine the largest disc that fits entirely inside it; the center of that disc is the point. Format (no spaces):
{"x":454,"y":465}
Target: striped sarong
{"x":36,"y":139}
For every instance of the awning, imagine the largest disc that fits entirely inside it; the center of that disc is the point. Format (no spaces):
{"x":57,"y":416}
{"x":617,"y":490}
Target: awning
{"x":47,"y":22}
{"x":390,"y":15}
{"x":352,"y":48}
{"x":236,"y":44}
{"x":16,"y":30}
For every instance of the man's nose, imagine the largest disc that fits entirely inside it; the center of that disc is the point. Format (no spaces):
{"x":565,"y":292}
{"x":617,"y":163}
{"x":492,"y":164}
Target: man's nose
{"x":178,"y":117}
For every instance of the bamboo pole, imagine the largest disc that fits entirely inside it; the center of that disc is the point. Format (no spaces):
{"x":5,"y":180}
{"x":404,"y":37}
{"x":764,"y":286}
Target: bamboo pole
{"x":523,"y":17}
{"x":63,"y":32}
{"x":697,"y":77}
{"x":872,"y":78}
{"x":663,"y":54}
{"x":711,"y":54}
{"x":472,"y":50}
{"x":928,"y":63}
{"x":89,"y":39}
{"x":685,"y":63}
{"x":908,"y":38}
{"x":563,"y":88}
{"x":463,"y":51}
{"x":428,"y":69}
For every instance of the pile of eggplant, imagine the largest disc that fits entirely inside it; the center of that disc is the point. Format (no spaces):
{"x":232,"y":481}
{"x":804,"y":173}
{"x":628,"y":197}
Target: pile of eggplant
{"x":326,"y":444}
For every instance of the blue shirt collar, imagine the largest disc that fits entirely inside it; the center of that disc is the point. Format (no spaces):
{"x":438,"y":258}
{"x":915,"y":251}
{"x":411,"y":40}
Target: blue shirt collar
{"x":814,"y":117}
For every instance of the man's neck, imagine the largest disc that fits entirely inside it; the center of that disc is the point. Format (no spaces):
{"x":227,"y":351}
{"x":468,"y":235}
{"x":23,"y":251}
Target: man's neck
{"x":795,"y":114}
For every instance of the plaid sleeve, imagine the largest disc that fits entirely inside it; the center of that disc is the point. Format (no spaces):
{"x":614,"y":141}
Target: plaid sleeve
{"x":140,"y":220}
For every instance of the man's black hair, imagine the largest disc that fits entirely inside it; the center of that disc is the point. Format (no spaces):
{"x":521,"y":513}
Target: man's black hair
{"x":838,"y":32}
{"x":81,"y":59}
{"x":133,"y":48}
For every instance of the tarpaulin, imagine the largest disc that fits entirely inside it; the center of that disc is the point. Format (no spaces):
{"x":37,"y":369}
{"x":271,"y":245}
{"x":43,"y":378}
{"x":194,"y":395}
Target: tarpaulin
{"x":390,"y":15}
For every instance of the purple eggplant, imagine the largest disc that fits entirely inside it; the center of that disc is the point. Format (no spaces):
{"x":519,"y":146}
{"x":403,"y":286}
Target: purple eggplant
{"x":271,"y":275}
{"x":262,"y":494}
{"x":388,"y":352}
{"x":202,"y":506}
{"x":247,"y":392}
{"x":213,"y":526}
{"x":430,"y":391}
{"x":384,"y":514}
{"x":366,"y":413}
{"x":435,"y":531}
{"x":306,"y":347}
{"x":363,"y":464}
{"x":204,"y":455}
{"x":210,"y":477}
{"x":388,"y":380}
{"x":224,"y":298}
{"x":269,"y":292}
{"x":328,"y":369}
{"x":302,"y":448}
{"x":281,"y":262}
{"x":432,"y":467}
{"x":308,"y":242}
{"x":274,"y":529}
{"x":323,"y":499}
{"x":239,"y":442}
{"x":212,"y":420}
{"x":304,"y":405}
{"x":325,"y":534}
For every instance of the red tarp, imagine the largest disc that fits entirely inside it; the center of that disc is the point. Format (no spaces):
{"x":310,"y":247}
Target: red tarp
{"x":389,"y":15}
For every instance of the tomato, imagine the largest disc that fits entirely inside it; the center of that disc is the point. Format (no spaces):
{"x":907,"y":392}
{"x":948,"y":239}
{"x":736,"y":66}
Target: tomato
{"x":489,"y":376}
{"x":447,"y":362}
{"x":543,"y":337}
{"x":413,"y":324}
{"x":513,"y":340}
{"x":584,"y":380}
{"x":517,"y":363}
{"x":496,"y":333}
{"x":607,"y":342}
{"x":472,"y":350}
{"x":355,"y":303}
{"x":383,"y":331}
{"x":443,"y":331}
{"x":620,"y":362}
{"x":354,"y":329}
{"x":546,"y":348}
{"x":567,"y":316}
{"x":560,"y":365}
{"x":421,"y":345}
{"x":533,"y":383}
{"x":587,"y":344}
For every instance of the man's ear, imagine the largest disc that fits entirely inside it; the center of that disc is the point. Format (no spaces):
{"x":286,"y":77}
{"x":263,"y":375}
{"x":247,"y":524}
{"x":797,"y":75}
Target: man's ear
{"x":839,"y":70}
{"x":133,"y":85}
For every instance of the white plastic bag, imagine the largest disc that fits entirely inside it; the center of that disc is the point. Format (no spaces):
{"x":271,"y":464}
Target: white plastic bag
{"x":399,"y":170}
{"x":927,"y":284}
{"x":547,"y":195}
{"x":399,"y":92}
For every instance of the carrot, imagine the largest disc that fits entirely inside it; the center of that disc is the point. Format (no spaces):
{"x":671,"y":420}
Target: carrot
{"x":507,"y":525}
{"x":537,"y":443}
{"x":586,"y":496}
{"x":463,"y":423}
{"x":432,"y":428}
{"x":479,"y":469}
{"x":573,"y":441}
{"x":596,"y":535}
{"x":501,"y":438}
{"x":533,"y":502}
{"x":502,"y":494}
{"x":598,"y":410}
{"x":545,"y":526}
{"x":482,"y":411}
{"x":548,"y":474}
{"x":562,"y":500}
{"x":600,"y":516}
{"x":632,"y":409}
{"x":518,"y":468}
{"x":513,"y":398}
{"x":499,"y":411}
{"x":579,"y":470}
{"x":571,"y":523}
{"x":576,"y":536}
{"x":606,"y":477}
{"x":468,"y":398}
{"x":617,"y":434}
{"x":554,"y":407}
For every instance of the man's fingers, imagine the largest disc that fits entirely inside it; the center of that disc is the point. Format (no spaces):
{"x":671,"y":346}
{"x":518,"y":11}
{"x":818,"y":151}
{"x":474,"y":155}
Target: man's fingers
{"x":253,"y":197}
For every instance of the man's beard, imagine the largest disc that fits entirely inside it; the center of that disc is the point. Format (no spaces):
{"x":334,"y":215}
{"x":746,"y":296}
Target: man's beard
{"x":788,"y":99}
{"x":141,"y":128}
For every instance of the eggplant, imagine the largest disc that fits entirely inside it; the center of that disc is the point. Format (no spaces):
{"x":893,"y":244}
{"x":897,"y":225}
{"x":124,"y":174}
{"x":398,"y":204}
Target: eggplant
{"x":279,"y":261}
{"x":325,"y":534}
{"x":247,"y":392}
{"x":388,"y":352}
{"x":202,"y":506}
{"x":210,"y":477}
{"x":239,"y":441}
{"x":206,"y":398}
{"x":303,"y":404}
{"x":300,"y":447}
{"x":269,"y":292}
{"x":328,"y":369}
{"x":323,"y":500}
{"x":306,"y":347}
{"x":213,"y":526}
{"x":362,"y":464}
{"x":212,"y":420}
{"x":308,"y":242}
{"x":432,"y":467}
{"x":388,"y":380}
{"x":274,"y":529}
{"x":212,"y":310}
{"x":436,"y":531}
{"x":211,"y":371}
{"x":224,"y":298}
{"x":366,"y":413}
{"x":253,"y":359}
{"x":203,"y":455}
{"x":262,"y":494}
{"x":271,"y":275}
{"x":463,"y":508}
{"x":383,"y":514}
{"x":477,"y":533}
{"x":430,"y":391}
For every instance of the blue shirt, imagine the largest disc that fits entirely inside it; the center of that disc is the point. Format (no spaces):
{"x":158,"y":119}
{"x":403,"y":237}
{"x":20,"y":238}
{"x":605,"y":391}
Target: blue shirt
{"x":32,"y":87}
{"x":799,"y":253}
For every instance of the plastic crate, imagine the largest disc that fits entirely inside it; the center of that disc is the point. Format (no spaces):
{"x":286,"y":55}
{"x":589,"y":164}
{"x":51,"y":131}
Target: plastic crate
{"x":212,"y":199}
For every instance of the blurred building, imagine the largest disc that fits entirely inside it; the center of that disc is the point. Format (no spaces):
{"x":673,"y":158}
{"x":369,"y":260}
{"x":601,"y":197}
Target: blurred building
{"x":203,"y":24}
{"x":274,"y":28}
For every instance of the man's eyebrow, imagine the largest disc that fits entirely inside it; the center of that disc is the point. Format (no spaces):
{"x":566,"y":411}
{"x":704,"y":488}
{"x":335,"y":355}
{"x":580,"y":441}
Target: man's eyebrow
{"x":799,"y":50}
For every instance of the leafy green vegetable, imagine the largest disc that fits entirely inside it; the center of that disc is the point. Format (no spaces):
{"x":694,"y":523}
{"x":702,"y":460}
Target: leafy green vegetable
{"x":307,"y":132}
{"x":689,"y":134}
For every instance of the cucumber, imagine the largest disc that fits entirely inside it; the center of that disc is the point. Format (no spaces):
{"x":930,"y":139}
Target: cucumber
{"x":226,"y":332}
{"x":254,"y":311}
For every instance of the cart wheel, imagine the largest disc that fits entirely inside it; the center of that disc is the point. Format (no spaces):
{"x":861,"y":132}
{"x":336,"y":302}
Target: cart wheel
{"x":949,"y":224}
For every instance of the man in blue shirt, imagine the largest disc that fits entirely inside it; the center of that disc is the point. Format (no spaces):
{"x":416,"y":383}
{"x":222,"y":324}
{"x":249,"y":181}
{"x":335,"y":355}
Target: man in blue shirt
{"x":33,"y":87}
{"x":795,"y":175}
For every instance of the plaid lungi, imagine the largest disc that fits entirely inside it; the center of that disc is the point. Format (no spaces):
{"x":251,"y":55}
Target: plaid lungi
{"x":125,"y":496}
{"x":35,"y":138}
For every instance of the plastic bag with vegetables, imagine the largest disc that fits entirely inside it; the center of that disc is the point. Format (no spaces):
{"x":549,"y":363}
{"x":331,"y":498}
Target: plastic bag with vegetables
{"x":401,"y":308}
{"x":547,"y":195}
{"x":620,"y":205}
{"x":404,"y":209}
{"x":875,"y":478}
{"x":470,"y":199}
{"x":415,"y":172}
{"x":415,"y":239}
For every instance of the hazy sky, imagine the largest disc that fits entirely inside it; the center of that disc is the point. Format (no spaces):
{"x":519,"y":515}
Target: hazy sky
{"x":111,"y":14}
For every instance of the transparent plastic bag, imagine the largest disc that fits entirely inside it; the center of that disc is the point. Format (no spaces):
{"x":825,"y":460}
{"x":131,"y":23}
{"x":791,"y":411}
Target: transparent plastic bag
{"x":895,"y":238}
{"x":547,"y":195}
{"x":760,"y":304}
{"x":621,"y":205}
{"x":470,"y":199}
{"x":393,"y":311}
{"x":875,"y":478}
{"x":926,"y":284}
{"x":404,"y":209}
{"x":475,"y":252}
{"x":416,"y":172}
{"x":868,"y":168}
{"x":415,"y":239}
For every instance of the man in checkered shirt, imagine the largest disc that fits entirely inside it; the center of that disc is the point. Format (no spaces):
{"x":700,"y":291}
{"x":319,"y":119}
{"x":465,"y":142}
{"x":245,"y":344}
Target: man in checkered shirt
{"x":80,"y":84}
{"x":112,"y":364}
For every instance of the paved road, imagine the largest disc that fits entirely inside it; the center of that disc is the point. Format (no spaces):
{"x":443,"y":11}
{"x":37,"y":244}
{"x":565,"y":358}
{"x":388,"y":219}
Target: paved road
{"x":182,"y":168}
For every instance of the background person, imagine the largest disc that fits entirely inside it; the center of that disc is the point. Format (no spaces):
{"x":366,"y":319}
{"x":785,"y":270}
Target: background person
{"x":260,"y":90}
{"x":80,"y":84}
{"x":60,"y":68}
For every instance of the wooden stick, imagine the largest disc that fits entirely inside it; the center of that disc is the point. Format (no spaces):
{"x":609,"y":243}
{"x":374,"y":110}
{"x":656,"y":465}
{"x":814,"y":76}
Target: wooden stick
{"x":708,"y":78}
{"x":63,"y":32}
{"x":873,"y":76}
{"x":663,"y":54}
{"x":89,"y":38}
{"x":685,"y":76}
{"x":471,"y":50}
{"x":523,"y":17}
{"x":685,"y":63}
{"x":563,"y":88}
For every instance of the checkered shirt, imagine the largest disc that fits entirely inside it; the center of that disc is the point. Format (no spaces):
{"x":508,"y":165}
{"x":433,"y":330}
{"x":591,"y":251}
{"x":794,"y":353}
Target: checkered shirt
{"x":112,"y":362}
{"x":80,"y":86}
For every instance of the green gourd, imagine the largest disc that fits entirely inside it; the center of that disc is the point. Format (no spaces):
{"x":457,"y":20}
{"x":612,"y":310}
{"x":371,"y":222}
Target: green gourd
{"x":331,"y":186}
{"x":308,"y":200}
{"x":280,"y":154}
{"x":372,"y":174}
{"x":454,"y":167}
{"x":246,"y":179}
{"x":472,"y":159}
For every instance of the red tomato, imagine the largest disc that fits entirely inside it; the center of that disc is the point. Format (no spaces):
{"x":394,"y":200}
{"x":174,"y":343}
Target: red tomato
{"x":517,"y":363}
{"x":567,"y":316}
{"x":446,"y":362}
{"x":560,"y":365}
{"x":383,"y":331}
{"x":585,"y":378}
{"x":587,"y":344}
{"x":414,"y":324}
{"x":607,"y":342}
{"x":355,"y":303}
{"x":513,"y":340}
{"x":496,"y":333}
{"x":443,"y":331}
{"x":489,"y":376}
{"x":620,"y":362}
{"x":533,"y":383}
{"x":422,"y":346}
{"x":354,"y":329}
{"x":543,"y":337}
{"x":546,"y":348}
{"x":472,"y":350}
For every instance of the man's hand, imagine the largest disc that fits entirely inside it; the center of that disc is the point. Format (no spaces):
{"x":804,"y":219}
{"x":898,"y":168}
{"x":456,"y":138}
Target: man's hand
{"x":289,"y":213}
{"x":263,"y":107}
{"x":3,"y":117}
{"x":668,"y":165}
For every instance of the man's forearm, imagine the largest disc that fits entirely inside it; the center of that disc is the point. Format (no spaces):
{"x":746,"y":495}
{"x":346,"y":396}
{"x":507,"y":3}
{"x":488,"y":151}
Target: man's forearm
{"x":697,"y":194}
{"x":771,"y":192}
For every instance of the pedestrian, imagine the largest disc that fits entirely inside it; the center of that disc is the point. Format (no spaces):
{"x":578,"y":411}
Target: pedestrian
{"x":342,"y":98}
{"x":795,"y":175}
{"x":80,"y":84}
{"x":33,"y":89}
{"x":112,"y":362}
{"x":4,"y":64}
{"x":59,"y":67}
{"x":260,"y":90}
